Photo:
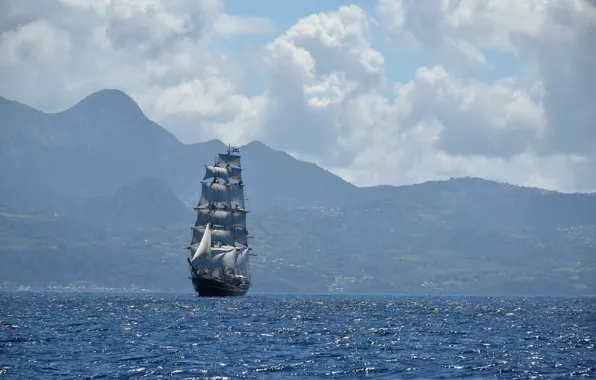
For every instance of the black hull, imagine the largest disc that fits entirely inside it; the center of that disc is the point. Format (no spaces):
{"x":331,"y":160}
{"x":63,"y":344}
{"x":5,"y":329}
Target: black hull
{"x":214,"y":287}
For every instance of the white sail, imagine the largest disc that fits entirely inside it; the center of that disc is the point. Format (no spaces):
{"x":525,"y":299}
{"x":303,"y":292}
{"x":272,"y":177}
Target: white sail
{"x":216,"y":172}
{"x":229,"y":258}
{"x":237,"y":196}
{"x":215,"y":192}
{"x":230,"y":195}
{"x":240,"y":236}
{"x":239,"y":220}
{"x":231,"y":159}
{"x":242,"y":260}
{"x":203,"y":251}
{"x":217,"y":260}
{"x":225,"y":237}
{"x":221,"y":217}
{"x":235,"y":173}
{"x":217,"y":217}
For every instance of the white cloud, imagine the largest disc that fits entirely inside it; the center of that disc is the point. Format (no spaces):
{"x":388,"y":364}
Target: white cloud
{"x":501,"y":119}
{"x":327,"y":104}
{"x":155,"y":50}
{"x":327,"y":97}
{"x":524,"y":124}
{"x":34,"y":42}
{"x":313,"y":70}
{"x":555,"y":36}
{"x":462,"y":26}
{"x":232,"y":25}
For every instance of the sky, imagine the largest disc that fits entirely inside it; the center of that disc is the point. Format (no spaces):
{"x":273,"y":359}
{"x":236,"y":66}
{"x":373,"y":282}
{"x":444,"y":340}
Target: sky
{"x":378,"y":92}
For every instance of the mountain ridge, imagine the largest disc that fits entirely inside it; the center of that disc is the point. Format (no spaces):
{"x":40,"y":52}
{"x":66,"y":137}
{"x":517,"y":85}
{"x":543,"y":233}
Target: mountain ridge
{"x":114,"y":98}
{"x":106,"y":182}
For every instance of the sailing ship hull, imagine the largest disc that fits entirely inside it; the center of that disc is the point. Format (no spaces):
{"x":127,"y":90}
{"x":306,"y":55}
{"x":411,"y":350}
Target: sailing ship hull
{"x":214,"y":287}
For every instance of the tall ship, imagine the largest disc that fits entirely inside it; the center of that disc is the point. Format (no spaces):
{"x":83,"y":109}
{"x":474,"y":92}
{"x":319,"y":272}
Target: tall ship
{"x":219,"y":252}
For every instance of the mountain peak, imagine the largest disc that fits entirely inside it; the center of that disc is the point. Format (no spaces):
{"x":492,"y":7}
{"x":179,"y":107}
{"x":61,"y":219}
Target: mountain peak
{"x":257,"y":147}
{"x":113,"y":101}
{"x":258,"y":144}
{"x":109,"y":94}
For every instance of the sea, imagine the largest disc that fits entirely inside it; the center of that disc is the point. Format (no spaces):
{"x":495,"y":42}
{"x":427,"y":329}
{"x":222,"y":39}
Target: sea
{"x":120,"y":335}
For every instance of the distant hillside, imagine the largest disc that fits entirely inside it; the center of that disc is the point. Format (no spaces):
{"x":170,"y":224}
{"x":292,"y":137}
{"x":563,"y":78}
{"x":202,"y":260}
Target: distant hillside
{"x":274,"y":178}
{"x":103,"y":196}
{"x":493,"y":204}
{"x":462,"y":236}
{"x":145,"y":203}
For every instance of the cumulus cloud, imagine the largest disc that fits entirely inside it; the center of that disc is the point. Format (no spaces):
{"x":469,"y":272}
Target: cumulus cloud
{"x":557,"y":36}
{"x":328,"y":98}
{"x":551,"y":113}
{"x":501,"y":119}
{"x":313,"y":69}
{"x":158,"y":51}
{"x":233,"y":25}
{"x":329,"y":102}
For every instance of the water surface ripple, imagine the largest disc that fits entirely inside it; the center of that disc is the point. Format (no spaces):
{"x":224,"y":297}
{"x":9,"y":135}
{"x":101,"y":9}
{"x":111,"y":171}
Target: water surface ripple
{"x":260,"y":336}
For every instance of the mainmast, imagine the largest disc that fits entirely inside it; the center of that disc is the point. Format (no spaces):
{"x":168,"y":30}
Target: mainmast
{"x":222,"y":204}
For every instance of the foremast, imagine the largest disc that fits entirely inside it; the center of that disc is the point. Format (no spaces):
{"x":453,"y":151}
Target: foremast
{"x":221,"y":213}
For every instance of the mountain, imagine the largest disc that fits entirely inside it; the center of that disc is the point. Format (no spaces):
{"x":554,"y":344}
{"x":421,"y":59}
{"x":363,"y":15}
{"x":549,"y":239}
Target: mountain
{"x":493,"y":204}
{"x":90,"y":149}
{"x":105,"y":141}
{"x":99,"y":195}
{"x":443,"y":243}
{"x":144,"y":203}
{"x":278,"y":179}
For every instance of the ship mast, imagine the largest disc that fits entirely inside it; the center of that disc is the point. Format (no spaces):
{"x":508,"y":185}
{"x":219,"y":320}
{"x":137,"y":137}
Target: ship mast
{"x":222,"y":205}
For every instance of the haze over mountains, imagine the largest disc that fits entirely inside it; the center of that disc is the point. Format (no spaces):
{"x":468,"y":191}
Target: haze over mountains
{"x":100,"y":196}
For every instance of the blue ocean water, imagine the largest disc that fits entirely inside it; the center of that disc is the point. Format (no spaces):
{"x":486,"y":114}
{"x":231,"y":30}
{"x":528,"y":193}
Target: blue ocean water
{"x":46,"y":335}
